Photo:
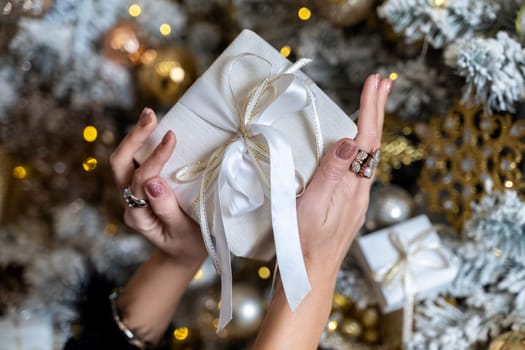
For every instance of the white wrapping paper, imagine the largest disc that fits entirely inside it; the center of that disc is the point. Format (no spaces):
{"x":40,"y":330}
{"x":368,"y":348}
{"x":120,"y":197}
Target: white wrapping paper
{"x":430,"y":266}
{"x":249,"y":132}
{"x":26,"y":333}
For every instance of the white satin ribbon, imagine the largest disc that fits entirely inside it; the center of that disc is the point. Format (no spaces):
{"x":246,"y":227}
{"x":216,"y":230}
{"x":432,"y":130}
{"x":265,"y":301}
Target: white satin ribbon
{"x":420,"y":252}
{"x":243,"y":173}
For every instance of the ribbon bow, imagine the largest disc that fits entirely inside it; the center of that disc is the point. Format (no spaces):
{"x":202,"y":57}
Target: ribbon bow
{"x":420,"y":252}
{"x":254,"y":165}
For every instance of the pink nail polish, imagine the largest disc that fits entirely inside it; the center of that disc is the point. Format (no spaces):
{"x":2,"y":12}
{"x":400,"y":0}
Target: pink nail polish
{"x":156,"y":189}
{"x":345,"y":150}
{"x":145,"y":117}
{"x":388,"y":85}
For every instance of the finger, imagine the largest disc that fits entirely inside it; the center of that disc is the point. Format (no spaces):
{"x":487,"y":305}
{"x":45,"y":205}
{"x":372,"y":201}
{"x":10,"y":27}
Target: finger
{"x":368,"y":136}
{"x":121,"y":160}
{"x":332,"y":169}
{"x":153,"y":165}
{"x":164,"y":205}
{"x":385,"y":86}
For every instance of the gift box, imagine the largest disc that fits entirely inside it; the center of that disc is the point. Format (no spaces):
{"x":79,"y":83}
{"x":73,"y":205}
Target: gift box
{"x":250,"y":132}
{"x":405,"y":260}
{"x":34,"y":332}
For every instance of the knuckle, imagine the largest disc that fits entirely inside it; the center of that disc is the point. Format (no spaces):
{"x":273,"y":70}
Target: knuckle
{"x":140,"y":174}
{"x":332,"y":172}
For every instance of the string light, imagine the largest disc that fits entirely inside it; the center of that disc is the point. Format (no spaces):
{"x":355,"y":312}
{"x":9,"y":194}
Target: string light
{"x":20,"y":172}
{"x":181,"y":333}
{"x":304,"y":13}
{"x":89,"y":164}
{"x":177,"y":74}
{"x":508,"y":184}
{"x":165,"y":29}
{"x":393,"y":76}
{"x":440,"y":3}
{"x":90,"y":133}
{"x":134,"y":10}
{"x":285,"y":51}
{"x":264,"y":272}
{"x":332,"y":325}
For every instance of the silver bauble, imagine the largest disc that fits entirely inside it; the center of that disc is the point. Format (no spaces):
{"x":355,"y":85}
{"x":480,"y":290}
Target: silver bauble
{"x":389,"y":204}
{"x":248,"y":311}
{"x":345,"y":12}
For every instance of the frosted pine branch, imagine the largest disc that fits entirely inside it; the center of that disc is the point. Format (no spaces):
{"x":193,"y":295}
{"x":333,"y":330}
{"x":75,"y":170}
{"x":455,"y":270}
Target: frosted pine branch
{"x":438,"y":25}
{"x":494,"y":70}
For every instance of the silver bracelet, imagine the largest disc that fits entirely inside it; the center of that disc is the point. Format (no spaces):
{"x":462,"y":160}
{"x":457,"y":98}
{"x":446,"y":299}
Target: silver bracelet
{"x":130,"y":336}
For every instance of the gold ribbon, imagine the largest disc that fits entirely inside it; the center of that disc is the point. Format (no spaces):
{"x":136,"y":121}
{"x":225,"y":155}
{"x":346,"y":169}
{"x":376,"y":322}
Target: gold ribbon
{"x":402,"y":269}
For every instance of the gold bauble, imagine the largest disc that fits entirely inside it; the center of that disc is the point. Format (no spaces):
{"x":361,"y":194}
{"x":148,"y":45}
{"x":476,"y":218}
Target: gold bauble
{"x":509,"y":341}
{"x":464,"y":149}
{"x":167,"y":74}
{"x":341,"y":303}
{"x":370,"y":317}
{"x":371,"y":336}
{"x":351,"y":328}
{"x":121,"y":44}
{"x":345,"y":12}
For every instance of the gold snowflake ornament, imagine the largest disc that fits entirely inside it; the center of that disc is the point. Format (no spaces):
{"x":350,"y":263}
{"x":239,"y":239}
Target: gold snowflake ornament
{"x":463,"y":150}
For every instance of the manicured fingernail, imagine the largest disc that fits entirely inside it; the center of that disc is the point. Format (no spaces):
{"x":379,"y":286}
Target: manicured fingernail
{"x":345,"y":150}
{"x":165,"y":139}
{"x":145,"y":117}
{"x":156,"y":189}
{"x":388,"y":85}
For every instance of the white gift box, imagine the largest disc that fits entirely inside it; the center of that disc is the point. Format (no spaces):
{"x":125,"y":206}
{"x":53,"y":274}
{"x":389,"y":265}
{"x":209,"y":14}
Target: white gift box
{"x":34,"y":332}
{"x":429,"y":265}
{"x":210,"y":98}
{"x":250,"y":132}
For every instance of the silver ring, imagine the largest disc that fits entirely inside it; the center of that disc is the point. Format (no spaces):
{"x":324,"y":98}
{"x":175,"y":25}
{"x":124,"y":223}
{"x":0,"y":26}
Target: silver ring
{"x":364,"y":163}
{"x":132,"y":200}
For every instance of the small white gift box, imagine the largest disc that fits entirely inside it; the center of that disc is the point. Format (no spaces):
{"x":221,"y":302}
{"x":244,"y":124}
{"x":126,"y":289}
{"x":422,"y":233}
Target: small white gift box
{"x":34,"y":332}
{"x":250,"y":132}
{"x":408,"y":252}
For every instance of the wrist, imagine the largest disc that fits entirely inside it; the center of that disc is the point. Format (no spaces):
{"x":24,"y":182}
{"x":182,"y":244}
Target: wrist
{"x":173,"y":261}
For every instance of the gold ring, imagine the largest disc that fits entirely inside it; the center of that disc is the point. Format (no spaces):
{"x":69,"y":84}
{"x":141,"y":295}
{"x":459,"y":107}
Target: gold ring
{"x":364,"y":163}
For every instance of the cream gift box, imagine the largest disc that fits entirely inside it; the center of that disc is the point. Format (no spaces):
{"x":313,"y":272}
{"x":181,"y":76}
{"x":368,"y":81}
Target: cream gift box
{"x":34,"y":332}
{"x":249,"y":132}
{"x":411,"y":249}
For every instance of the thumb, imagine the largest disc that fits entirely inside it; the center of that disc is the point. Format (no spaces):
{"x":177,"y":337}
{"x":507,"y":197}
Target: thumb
{"x":332,"y":168}
{"x":163,"y":203}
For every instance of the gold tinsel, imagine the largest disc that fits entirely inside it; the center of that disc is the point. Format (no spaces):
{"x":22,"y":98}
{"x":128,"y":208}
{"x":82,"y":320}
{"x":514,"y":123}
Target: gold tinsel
{"x":509,"y":341}
{"x":396,"y":148}
{"x":464,"y":149}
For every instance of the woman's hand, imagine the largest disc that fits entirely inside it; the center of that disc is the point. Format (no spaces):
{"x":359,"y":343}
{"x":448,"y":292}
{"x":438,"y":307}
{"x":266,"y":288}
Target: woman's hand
{"x":334,"y":205}
{"x":330,"y":213}
{"x":147,"y":303}
{"x":162,"y":222}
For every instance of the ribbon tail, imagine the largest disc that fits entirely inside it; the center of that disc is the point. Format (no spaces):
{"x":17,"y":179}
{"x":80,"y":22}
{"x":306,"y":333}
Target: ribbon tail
{"x":408,"y":311}
{"x":224,"y":257}
{"x":284,"y":218}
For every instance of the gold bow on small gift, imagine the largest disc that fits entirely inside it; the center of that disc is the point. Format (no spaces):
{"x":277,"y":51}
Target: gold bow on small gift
{"x":421,"y":252}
